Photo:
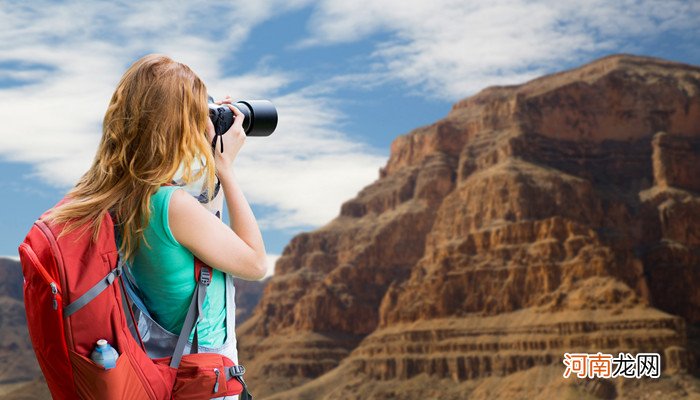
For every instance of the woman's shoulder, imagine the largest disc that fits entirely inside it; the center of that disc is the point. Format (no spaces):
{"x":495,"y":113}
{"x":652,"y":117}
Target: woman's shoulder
{"x":178,"y":196}
{"x":190,"y":222}
{"x":163,"y":197}
{"x":162,"y":203}
{"x":183,"y":206}
{"x":167,"y":190}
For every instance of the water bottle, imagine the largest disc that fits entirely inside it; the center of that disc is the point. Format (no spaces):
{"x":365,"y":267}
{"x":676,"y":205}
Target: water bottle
{"x":104,"y":355}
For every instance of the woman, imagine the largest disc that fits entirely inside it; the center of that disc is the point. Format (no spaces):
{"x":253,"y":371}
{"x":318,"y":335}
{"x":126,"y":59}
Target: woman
{"x":157,"y":123}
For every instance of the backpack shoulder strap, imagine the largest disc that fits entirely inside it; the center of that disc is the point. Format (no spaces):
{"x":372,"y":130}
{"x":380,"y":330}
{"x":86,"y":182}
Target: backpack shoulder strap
{"x":203,"y":273}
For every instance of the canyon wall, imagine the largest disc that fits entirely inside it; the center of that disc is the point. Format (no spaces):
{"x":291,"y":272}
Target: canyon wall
{"x":560,"y":215}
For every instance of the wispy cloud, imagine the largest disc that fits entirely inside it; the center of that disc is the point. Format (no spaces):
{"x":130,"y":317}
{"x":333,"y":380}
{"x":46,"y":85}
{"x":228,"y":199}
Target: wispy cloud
{"x":271,"y":260}
{"x":61,"y":62}
{"x":452,"y":48}
{"x":52,"y":112}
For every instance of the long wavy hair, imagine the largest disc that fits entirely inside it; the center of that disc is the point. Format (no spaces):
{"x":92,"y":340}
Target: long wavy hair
{"x":154,"y":125}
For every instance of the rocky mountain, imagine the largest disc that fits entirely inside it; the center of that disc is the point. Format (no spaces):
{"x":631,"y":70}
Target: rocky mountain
{"x":560,"y":215}
{"x":248,"y":295}
{"x":17,"y":359}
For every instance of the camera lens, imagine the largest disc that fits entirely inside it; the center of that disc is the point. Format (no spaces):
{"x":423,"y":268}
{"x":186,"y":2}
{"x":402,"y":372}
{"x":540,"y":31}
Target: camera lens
{"x":260,"y":117}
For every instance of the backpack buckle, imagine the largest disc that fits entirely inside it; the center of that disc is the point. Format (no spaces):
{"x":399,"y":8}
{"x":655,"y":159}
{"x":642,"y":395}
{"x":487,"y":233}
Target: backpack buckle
{"x":114,"y":274}
{"x":236,"y":370}
{"x":205,"y":276}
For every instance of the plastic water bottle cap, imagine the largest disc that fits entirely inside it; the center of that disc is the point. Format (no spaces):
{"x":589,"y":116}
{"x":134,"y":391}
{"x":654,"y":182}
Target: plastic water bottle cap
{"x":102,"y":342}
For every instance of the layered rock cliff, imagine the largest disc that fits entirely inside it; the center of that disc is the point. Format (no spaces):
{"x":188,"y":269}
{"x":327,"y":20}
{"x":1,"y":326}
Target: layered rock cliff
{"x":559,"y":215}
{"x":17,"y":360}
{"x":248,"y":295}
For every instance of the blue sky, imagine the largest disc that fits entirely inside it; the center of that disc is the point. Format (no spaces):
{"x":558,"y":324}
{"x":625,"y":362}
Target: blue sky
{"x":347,"y":78}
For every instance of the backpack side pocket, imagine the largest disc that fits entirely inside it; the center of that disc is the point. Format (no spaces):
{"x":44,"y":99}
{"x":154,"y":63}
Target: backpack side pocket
{"x":92,"y":381}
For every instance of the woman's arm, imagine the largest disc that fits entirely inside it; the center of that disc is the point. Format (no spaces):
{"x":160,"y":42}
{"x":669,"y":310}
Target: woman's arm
{"x":238,"y":249}
{"x":241,"y":216}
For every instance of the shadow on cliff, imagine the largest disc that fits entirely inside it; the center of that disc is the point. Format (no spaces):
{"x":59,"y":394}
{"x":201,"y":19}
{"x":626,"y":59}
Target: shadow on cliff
{"x":560,"y":215}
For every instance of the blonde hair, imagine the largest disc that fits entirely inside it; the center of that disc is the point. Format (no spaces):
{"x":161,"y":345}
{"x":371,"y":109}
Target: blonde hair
{"x":156,"y":122}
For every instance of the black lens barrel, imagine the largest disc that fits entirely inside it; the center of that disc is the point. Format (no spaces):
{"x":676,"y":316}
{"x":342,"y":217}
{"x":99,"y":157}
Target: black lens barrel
{"x":260,"y":117}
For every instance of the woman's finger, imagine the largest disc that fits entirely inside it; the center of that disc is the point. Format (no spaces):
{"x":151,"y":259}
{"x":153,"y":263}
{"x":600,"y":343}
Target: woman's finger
{"x":238,"y":116}
{"x":226,"y":100}
{"x":235,"y":110}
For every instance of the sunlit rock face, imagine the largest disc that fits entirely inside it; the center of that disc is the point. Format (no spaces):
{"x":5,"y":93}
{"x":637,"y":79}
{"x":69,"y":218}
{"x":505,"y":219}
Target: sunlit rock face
{"x":560,"y":215}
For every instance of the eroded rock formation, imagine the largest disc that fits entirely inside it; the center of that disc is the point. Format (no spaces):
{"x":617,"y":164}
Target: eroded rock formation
{"x":17,"y":360}
{"x":555,"y":216}
{"x":248,"y":295}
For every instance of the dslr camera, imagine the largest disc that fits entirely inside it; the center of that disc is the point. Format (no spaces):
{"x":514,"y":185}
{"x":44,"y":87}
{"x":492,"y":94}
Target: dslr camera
{"x":260,"y":117}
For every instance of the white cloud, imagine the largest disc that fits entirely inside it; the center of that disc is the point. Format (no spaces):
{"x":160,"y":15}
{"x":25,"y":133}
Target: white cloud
{"x":452,"y":48}
{"x":71,"y":55}
{"x":309,"y":169}
{"x":78,"y":52}
{"x":271,"y":260}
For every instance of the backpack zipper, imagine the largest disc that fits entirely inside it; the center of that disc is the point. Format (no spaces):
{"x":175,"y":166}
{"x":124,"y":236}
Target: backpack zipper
{"x":61,"y":275}
{"x":216,"y":385}
{"x":54,"y":290}
{"x":40,"y":267}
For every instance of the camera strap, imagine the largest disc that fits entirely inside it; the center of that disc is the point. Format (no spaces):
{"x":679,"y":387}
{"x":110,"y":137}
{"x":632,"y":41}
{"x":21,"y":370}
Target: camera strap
{"x":219,"y":130}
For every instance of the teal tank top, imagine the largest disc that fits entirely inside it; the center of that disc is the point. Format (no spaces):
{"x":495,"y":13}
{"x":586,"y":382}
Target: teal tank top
{"x":164,"y":274}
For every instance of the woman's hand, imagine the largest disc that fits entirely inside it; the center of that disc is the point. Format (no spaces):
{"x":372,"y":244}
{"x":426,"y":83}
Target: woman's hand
{"x":233,"y":139}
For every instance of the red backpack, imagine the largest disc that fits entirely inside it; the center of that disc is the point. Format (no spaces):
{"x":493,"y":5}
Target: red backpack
{"x":73,"y":296}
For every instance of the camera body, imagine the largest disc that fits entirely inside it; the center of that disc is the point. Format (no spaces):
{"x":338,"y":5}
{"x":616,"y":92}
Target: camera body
{"x":260,"y":117}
